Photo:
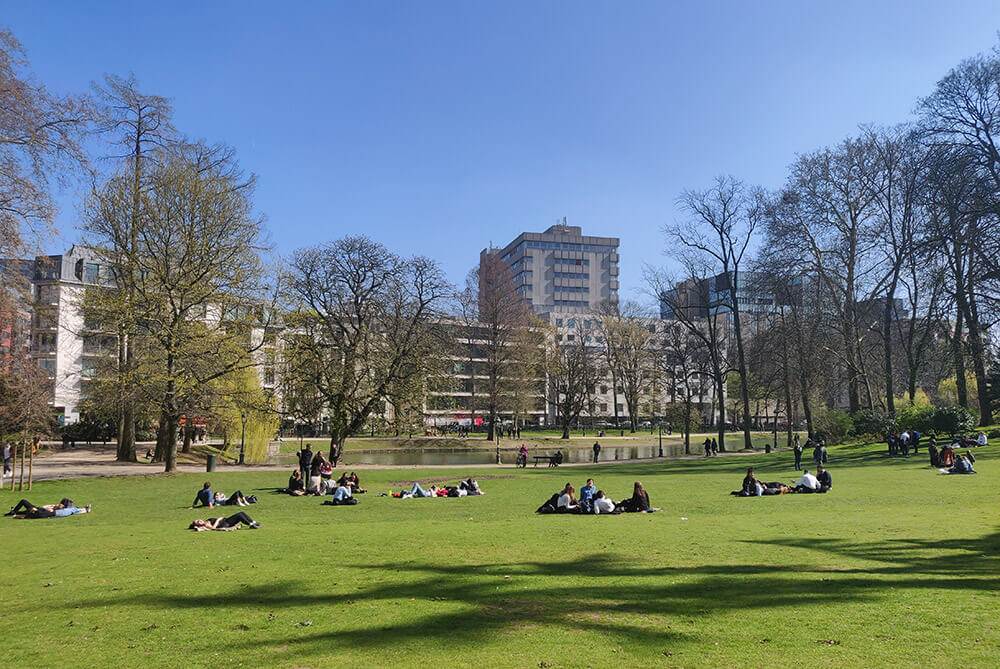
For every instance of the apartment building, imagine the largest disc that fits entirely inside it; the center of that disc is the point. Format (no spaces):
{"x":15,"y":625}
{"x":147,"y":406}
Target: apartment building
{"x":562,"y":269}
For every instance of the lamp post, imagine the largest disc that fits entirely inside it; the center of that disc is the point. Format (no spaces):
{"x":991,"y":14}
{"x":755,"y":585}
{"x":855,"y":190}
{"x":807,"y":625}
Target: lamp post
{"x":661,"y":439}
{"x":243,"y":433}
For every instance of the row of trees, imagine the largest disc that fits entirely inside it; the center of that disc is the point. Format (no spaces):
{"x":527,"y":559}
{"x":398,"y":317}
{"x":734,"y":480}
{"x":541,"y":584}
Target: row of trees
{"x":876,"y":275}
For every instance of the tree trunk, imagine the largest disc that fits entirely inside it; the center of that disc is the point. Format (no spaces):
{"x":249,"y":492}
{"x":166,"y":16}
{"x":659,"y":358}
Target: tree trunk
{"x":744,"y":385}
{"x":188,"y":436}
{"x":720,"y":385}
{"x":958,"y":359}
{"x":687,"y":424}
{"x":890,"y":404}
{"x":978,"y":363}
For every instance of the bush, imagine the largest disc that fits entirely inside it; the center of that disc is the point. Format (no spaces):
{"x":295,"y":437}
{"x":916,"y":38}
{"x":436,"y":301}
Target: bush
{"x":915,"y":417}
{"x":993,"y":434}
{"x":871,"y":422}
{"x":952,"y":420}
{"x":834,"y":426}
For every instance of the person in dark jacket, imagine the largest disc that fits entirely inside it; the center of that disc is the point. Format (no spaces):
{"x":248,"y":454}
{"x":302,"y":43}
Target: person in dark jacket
{"x":638,"y":502}
{"x":296,"y":486}
{"x":824,"y":478}
{"x":204,"y":496}
{"x":305,"y":459}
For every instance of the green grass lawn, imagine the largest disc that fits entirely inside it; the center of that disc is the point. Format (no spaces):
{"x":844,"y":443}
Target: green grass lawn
{"x":897,"y":566}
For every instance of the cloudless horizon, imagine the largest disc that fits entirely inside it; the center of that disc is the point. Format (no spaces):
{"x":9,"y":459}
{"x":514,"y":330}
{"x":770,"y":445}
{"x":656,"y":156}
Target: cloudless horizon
{"x":439,"y":127}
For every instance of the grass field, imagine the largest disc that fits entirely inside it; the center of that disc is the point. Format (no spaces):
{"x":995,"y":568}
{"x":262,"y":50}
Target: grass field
{"x":897,"y":566}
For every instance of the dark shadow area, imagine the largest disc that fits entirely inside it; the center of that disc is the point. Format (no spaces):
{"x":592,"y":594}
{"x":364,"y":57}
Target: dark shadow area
{"x":599,"y":593}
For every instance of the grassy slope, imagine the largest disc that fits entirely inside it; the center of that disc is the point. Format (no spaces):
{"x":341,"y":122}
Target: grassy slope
{"x":899,"y":566}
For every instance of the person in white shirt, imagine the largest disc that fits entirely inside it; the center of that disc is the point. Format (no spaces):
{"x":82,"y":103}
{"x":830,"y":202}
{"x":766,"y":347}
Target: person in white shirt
{"x":602,"y":504}
{"x":808,"y":483}
{"x":981,"y":439}
{"x":567,"y":500}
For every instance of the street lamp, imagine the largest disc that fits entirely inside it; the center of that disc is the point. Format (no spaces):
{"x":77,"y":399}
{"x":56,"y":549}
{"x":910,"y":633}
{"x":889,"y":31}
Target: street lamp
{"x":243,"y":434}
{"x":661,"y":439}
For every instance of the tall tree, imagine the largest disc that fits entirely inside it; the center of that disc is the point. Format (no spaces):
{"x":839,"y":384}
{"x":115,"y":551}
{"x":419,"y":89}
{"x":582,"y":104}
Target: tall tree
{"x":722,"y":221}
{"x":504,"y":316}
{"x":358,"y":317}
{"x":138,"y":129}
{"x":628,"y":352}
{"x":573,"y":366}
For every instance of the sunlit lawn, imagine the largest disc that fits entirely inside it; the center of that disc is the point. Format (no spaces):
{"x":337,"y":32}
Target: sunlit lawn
{"x":898,"y":565}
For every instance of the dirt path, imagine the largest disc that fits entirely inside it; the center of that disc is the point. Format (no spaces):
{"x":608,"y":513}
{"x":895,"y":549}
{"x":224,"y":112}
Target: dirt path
{"x":91,"y":462}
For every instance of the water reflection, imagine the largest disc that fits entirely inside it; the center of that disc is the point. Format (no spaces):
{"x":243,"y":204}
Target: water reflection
{"x":443,"y":458}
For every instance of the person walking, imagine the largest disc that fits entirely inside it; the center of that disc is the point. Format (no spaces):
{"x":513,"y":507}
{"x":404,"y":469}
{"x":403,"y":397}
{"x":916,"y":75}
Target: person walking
{"x":715,"y":447}
{"x":597,"y":450}
{"x":797,"y":450}
{"x":708,"y":447}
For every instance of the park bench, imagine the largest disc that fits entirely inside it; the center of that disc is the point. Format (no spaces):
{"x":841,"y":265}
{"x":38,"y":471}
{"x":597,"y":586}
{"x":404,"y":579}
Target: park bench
{"x":551,"y":459}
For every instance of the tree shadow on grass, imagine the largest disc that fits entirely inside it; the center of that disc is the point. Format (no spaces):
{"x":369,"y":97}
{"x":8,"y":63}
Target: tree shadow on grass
{"x":625,"y":600}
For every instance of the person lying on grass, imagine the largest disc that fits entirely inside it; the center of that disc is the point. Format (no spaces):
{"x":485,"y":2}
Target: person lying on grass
{"x":962,"y":466}
{"x":236,"y":499}
{"x":232,"y":522}
{"x":65,"y":507}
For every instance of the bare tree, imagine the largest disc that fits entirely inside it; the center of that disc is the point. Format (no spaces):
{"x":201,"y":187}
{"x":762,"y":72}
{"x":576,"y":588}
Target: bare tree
{"x":40,"y":146}
{"x":358,"y":317}
{"x":504,"y":315}
{"x":573,"y":367}
{"x":628,"y":354}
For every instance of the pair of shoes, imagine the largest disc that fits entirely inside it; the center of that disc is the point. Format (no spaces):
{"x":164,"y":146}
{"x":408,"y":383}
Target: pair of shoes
{"x":87,"y":508}
{"x":255,"y":525}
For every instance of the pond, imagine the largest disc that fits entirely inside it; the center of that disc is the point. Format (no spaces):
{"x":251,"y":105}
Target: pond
{"x":404,"y":458}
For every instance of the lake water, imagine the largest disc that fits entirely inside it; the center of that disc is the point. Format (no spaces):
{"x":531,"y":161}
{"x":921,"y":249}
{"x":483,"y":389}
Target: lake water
{"x":440,"y":457}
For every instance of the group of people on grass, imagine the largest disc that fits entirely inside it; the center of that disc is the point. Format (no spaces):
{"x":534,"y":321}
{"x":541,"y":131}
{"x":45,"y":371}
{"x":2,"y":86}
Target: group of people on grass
{"x":596,"y":501}
{"x":344,"y":487}
{"x":820,"y":482}
{"x":462,"y":489}
{"x":819,"y":454}
{"x":901,"y":443}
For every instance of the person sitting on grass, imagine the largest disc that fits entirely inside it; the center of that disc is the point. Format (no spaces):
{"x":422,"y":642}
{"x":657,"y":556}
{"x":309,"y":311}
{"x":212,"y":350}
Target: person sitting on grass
{"x":981,"y":439}
{"x":229,"y":523}
{"x":296,"y":486}
{"x":204,"y":496}
{"x":236,"y":499}
{"x":65,"y":507}
{"x":961,"y":466}
{"x":354,"y":483}
{"x":751,"y":486}
{"x":824,"y":479}
{"x":602,"y":504}
{"x":587,"y":493}
{"x":947,"y":457}
{"x":341,"y":496}
{"x":808,"y":483}
{"x":638,"y":503}
{"x":567,"y":500}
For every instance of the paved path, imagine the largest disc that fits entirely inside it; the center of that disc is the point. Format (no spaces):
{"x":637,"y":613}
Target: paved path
{"x":91,"y":462}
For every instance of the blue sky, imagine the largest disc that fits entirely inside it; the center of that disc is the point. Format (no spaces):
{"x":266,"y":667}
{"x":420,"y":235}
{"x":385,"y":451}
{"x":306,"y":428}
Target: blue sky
{"x":437,"y":127}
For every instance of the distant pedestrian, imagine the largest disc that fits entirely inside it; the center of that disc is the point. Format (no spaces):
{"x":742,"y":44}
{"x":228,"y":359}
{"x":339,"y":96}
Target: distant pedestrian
{"x":715,"y":447}
{"x":797,"y":450}
{"x":597,"y":450}
{"x":708,"y":447}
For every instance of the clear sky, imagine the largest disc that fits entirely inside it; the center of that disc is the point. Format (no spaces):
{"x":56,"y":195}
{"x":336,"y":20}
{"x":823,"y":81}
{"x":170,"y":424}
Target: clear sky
{"x":437,"y":127}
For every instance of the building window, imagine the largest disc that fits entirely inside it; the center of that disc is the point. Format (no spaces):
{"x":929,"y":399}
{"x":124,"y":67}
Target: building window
{"x":48,"y":364}
{"x":88,"y":369}
{"x":558,"y":322}
{"x":90,"y":273}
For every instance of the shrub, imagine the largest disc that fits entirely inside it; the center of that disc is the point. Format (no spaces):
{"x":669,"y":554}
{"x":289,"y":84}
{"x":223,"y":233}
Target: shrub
{"x":834,"y":426}
{"x":914,"y":417}
{"x":952,"y":420}
{"x":993,"y":434}
{"x":871,"y":422}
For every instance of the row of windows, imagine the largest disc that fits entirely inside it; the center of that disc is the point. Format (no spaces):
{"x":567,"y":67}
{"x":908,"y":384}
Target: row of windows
{"x":572,"y":303}
{"x":571,"y":323}
{"x":571,"y":275}
{"x":568,"y":246}
{"x":573,"y":289}
{"x":579,"y":262}
{"x":522,"y":276}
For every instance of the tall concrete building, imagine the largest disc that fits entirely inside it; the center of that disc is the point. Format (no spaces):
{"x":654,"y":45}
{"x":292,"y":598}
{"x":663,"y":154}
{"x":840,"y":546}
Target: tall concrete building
{"x":561,"y":269}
